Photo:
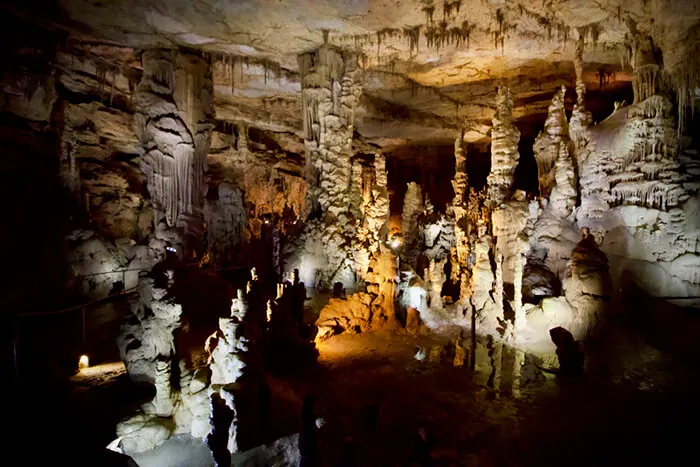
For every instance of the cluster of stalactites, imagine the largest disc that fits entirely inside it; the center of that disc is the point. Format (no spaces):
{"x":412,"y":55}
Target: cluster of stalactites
{"x":504,"y":149}
{"x":547,"y":147}
{"x":645,"y":81}
{"x":174,"y":120}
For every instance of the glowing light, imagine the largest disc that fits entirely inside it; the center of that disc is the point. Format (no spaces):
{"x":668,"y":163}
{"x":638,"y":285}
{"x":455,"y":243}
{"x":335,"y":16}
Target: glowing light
{"x":84,"y":362}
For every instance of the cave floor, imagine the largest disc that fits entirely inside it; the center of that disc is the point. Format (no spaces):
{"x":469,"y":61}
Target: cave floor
{"x":643,"y":414}
{"x":637,"y":406}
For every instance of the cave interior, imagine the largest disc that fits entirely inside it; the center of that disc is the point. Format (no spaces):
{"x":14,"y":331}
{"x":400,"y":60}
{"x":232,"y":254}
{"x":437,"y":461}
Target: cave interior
{"x":351,"y":233}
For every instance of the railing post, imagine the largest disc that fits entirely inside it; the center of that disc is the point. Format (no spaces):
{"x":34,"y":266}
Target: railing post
{"x":15,"y":349}
{"x":84,"y":346}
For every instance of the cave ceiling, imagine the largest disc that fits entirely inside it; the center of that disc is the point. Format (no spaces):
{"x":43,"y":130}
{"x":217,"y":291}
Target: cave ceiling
{"x":430,"y":67}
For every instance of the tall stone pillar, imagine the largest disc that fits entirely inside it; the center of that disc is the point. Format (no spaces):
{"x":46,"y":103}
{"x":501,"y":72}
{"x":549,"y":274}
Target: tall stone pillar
{"x":499,"y":286}
{"x":174,"y":119}
{"x":504,"y":149}
{"x":330,"y":90}
{"x":519,"y":266}
{"x":459,"y":208}
{"x":549,"y":142}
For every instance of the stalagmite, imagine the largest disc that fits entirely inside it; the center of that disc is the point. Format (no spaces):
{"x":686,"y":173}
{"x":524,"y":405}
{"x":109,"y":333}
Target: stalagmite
{"x":520,"y":321}
{"x":459,"y":209}
{"x":412,"y":209}
{"x":330,"y":93}
{"x":377,"y":211}
{"x":498,"y":293}
{"x":482,"y":282}
{"x":563,"y":198}
{"x":162,"y":401}
{"x":504,"y":149}
{"x":580,"y":117}
{"x":548,"y":143}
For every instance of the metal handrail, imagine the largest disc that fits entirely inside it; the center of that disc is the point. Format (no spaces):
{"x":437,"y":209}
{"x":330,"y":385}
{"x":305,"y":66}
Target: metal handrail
{"x":83,"y":306}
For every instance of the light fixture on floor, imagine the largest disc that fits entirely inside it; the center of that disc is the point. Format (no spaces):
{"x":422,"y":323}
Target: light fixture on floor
{"x":84,"y":362}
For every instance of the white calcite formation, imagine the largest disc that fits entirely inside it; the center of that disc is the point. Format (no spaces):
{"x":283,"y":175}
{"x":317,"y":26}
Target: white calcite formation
{"x":227,"y":367}
{"x":587,"y":287}
{"x":504,"y":149}
{"x":187,"y":406}
{"x":375,"y":210}
{"x":412,"y":209}
{"x":508,"y":220}
{"x":638,"y":195}
{"x":554,"y":164}
{"x":462,"y":245}
{"x":580,"y":117}
{"x":147,"y":346}
{"x":330,"y":92}
{"x":362,"y":311}
{"x":482,"y":282}
{"x":174,"y":121}
{"x":148,"y":334}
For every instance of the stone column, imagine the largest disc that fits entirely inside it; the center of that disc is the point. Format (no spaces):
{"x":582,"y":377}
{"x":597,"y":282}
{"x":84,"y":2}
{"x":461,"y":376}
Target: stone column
{"x":162,"y":401}
{"x":548,"y":143}
{"x":499,"y":286}
{"x":521,"y":252}
{"x":330,"y":82}
{"x":412,"y":209}
{"x":504,"y":149}
{"x":462,"y":247}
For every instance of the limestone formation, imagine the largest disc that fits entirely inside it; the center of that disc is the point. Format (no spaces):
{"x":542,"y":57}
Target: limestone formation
{"x":226,"y":222}
{"x":519,"y":320}
{"x":508,"y":221}
{"x":551,"y":146}
{"x":147,"y":336}
{"x":580,"y":117}
{"x":174,"y":123}
{"x":482,"y":282}
{"x":588,"y":286}
{"x":504,"y":149}
{"x":412,"y":210}
{"x":498,"y":291}
{"x":330,"y":92}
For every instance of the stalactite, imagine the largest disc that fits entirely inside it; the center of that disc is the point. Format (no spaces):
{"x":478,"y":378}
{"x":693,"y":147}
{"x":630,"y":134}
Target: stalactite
{"x":429,"y":11}
{"x":412,"y":33}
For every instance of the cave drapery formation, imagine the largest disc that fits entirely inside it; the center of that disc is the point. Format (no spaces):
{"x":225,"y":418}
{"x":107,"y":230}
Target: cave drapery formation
{"x":304,"y":154}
